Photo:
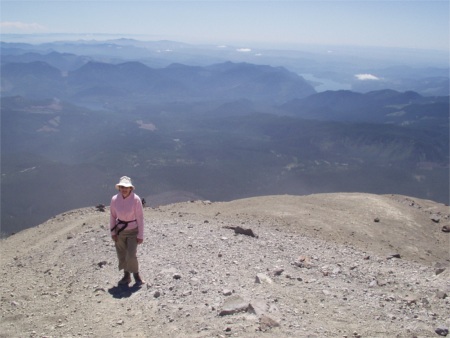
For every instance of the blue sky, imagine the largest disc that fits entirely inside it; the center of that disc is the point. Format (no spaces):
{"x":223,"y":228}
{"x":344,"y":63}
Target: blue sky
{"x":394,"y":23}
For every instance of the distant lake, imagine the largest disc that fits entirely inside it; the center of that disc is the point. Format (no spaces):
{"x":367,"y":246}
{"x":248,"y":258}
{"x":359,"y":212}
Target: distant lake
{"x":325,"y":84}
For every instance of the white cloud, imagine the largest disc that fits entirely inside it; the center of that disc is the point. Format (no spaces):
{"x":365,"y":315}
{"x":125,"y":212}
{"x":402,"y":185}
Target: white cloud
{"x":244,"y":50}
{"x":20,"y":27}
{"x":364,"y":77}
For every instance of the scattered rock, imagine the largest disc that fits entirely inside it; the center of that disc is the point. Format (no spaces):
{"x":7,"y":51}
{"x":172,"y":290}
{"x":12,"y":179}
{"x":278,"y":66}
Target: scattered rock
{"x":59,"y":287}
{"x":102,"y":264}
{"x":446,"y":228}
{"x":267,"y":323}
{"x":410,"y":300}
{"x":438,"y":271}
{"x":441,"y":294}
{"x":394,"y":255}
{"x":241,"y":231}
{"x":303,"y":262}
{"x":227,"y":292}
{"x":278,"y":271}
{"x":234,"y":305}
{"x":442,"y":331}
{"x":263,"y":278}
{"x":435,"y":218}
{"x":258,"y":307}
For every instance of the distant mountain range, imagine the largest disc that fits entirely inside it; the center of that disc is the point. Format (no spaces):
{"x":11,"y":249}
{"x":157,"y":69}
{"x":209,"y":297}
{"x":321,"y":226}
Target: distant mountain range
{"x":425,"y":72}
{"x":71,"y":125}
{"x":134,"y":82}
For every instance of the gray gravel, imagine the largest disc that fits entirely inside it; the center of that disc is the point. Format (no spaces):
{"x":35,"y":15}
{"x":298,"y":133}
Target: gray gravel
{"x":317,"y":266}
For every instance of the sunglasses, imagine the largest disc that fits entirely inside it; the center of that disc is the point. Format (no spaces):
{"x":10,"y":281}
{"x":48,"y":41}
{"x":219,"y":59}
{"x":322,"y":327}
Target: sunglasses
{"x":122,"y":187}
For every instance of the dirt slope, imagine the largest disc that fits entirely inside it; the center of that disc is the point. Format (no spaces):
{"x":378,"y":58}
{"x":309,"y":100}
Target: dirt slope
{"x":319,"y":266}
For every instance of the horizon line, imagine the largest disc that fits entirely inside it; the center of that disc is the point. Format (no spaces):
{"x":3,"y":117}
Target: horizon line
{"x":87,"y":37}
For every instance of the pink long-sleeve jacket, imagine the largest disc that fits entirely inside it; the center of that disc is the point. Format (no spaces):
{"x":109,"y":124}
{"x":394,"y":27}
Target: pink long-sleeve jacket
{"x":127,"y":209}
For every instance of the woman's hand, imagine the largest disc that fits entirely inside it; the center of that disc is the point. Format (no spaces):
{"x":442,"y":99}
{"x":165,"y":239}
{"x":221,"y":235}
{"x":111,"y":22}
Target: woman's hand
{"x":139,"y":241}
{"x":114,"y":238}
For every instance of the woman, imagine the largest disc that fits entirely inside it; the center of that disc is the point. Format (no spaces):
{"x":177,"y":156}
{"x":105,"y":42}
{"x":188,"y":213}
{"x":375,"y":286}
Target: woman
{"x":127,"y":229}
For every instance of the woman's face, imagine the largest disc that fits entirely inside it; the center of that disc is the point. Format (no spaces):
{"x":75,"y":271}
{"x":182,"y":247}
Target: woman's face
{"x":125,"y":191}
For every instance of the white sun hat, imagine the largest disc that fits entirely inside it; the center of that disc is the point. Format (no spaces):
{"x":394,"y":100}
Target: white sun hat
{"x":125,"y":181}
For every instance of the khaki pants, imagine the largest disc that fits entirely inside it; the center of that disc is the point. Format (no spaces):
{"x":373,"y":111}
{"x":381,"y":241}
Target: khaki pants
{"x":126,"y":247}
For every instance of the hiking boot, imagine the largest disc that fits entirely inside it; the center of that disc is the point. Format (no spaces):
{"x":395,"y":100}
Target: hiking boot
{"x":138,"y":279}
{"x":126,"y":279}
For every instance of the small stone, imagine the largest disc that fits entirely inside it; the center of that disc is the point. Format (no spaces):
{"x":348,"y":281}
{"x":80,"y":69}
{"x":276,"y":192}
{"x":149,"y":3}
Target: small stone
{"x":266,"y":323}
{"x":442,"y":331}
{"x":242,"y":231}
{"x":394,"y":255}
{"x":234,"y":305}
{"x":435,"y":218}
{"x":102,"y":263}
{"x":410,"y":300}
{"x":262,"y":278}
{"x":381,"y":282}
{"x":303,"y":262}
{"x":278,"y":271}
{"x":438,"y":271}
{"x":227,"y":292}
{"x":441,"y":294}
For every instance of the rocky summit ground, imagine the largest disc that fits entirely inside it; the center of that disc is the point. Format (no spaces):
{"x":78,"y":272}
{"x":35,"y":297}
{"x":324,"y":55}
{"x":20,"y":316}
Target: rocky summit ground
{"x":325,"y":265}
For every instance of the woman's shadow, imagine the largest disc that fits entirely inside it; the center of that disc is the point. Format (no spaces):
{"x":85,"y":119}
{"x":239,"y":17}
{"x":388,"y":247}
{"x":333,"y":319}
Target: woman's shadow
{"x":124,"y":291}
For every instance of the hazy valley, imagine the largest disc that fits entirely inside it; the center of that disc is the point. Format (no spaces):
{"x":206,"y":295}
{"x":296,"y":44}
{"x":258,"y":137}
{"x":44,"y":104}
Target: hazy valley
{"x":198,"y":123}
